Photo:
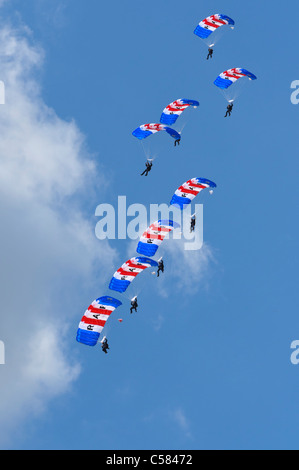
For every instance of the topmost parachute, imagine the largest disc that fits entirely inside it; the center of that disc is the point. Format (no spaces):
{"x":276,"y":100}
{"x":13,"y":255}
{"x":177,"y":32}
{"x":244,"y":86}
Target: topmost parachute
{"x":207,"y":26}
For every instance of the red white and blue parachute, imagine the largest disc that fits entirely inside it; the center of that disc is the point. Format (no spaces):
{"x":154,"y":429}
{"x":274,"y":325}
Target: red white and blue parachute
{"x":207,"y":26}
{"x":148,"y":129}
{"x":154,"y":236}
{"x":94,"y":320}
{"x":189,"y":190}
{"x":126,"y":274}
{"x":229,"y":77}
{"x":175,"y":109}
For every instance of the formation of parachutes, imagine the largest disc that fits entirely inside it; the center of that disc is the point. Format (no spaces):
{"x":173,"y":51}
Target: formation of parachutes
{"x":97,"y":314}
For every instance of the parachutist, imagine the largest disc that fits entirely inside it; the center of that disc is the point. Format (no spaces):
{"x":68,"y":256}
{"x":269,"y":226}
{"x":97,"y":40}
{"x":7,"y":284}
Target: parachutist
{"x":210,"y":54}
{"x":177,"y":142}
{"x":148,"y":168}
{"x":105,"y":345}
{"x":229,"y":109}
{"x":160,"y":267}
{"x":193,"y":223}
{"x":134,"y":305}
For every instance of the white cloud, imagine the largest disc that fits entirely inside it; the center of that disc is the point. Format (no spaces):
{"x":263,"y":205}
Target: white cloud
{"x":50,"y":257}
{"x":187,"y":271}
{"x":179,"y":417}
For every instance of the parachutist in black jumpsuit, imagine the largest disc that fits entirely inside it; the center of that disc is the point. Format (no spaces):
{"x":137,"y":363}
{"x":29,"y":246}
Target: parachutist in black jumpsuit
{"x":134,"y":305}
{"x":193,"y":222}
{"x":229,"y":109}
{"x":177,"y":142}
{"x":148,"y":168}
{"x":160,"y":267}
{"x":105,"y":346}
{"x":210,"y":54}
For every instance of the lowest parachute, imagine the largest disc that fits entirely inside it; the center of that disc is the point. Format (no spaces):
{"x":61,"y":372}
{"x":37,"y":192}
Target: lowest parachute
{"x":145,"y":130}
{"x":185,"y":194}
{"x":123,"y":277}
{"x":94,"y":320}
{"x":174,"y":110}
{"x":154,"y":236}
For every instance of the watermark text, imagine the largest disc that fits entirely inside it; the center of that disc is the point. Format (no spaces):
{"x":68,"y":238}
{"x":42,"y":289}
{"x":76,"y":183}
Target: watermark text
{"x":295,"y":353}
{"x":129,"y":222}
{"x":295,"y":94}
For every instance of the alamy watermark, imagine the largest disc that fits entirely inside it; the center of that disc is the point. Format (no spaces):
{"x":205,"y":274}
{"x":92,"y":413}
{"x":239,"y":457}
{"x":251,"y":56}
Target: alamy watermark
{"x":295,"y":94}
{"x":2,"y":353}
{"x":295,"y":353}
{"x":129,"y":222}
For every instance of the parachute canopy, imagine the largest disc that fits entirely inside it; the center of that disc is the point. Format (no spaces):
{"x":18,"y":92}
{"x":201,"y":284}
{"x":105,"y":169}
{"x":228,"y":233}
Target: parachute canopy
{"x":189,"y":190}
{"x":154,"y":236}
{"x":123,"y":277}
{"x":175,"y":109}
{"x":207,"y":26}
{"x":229,"y":77}
{"x":148,"y":129}
{"x":94,"y":320}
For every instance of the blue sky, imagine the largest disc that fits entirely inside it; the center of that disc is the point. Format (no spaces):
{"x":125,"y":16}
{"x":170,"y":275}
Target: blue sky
{"x":201,"y":368}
